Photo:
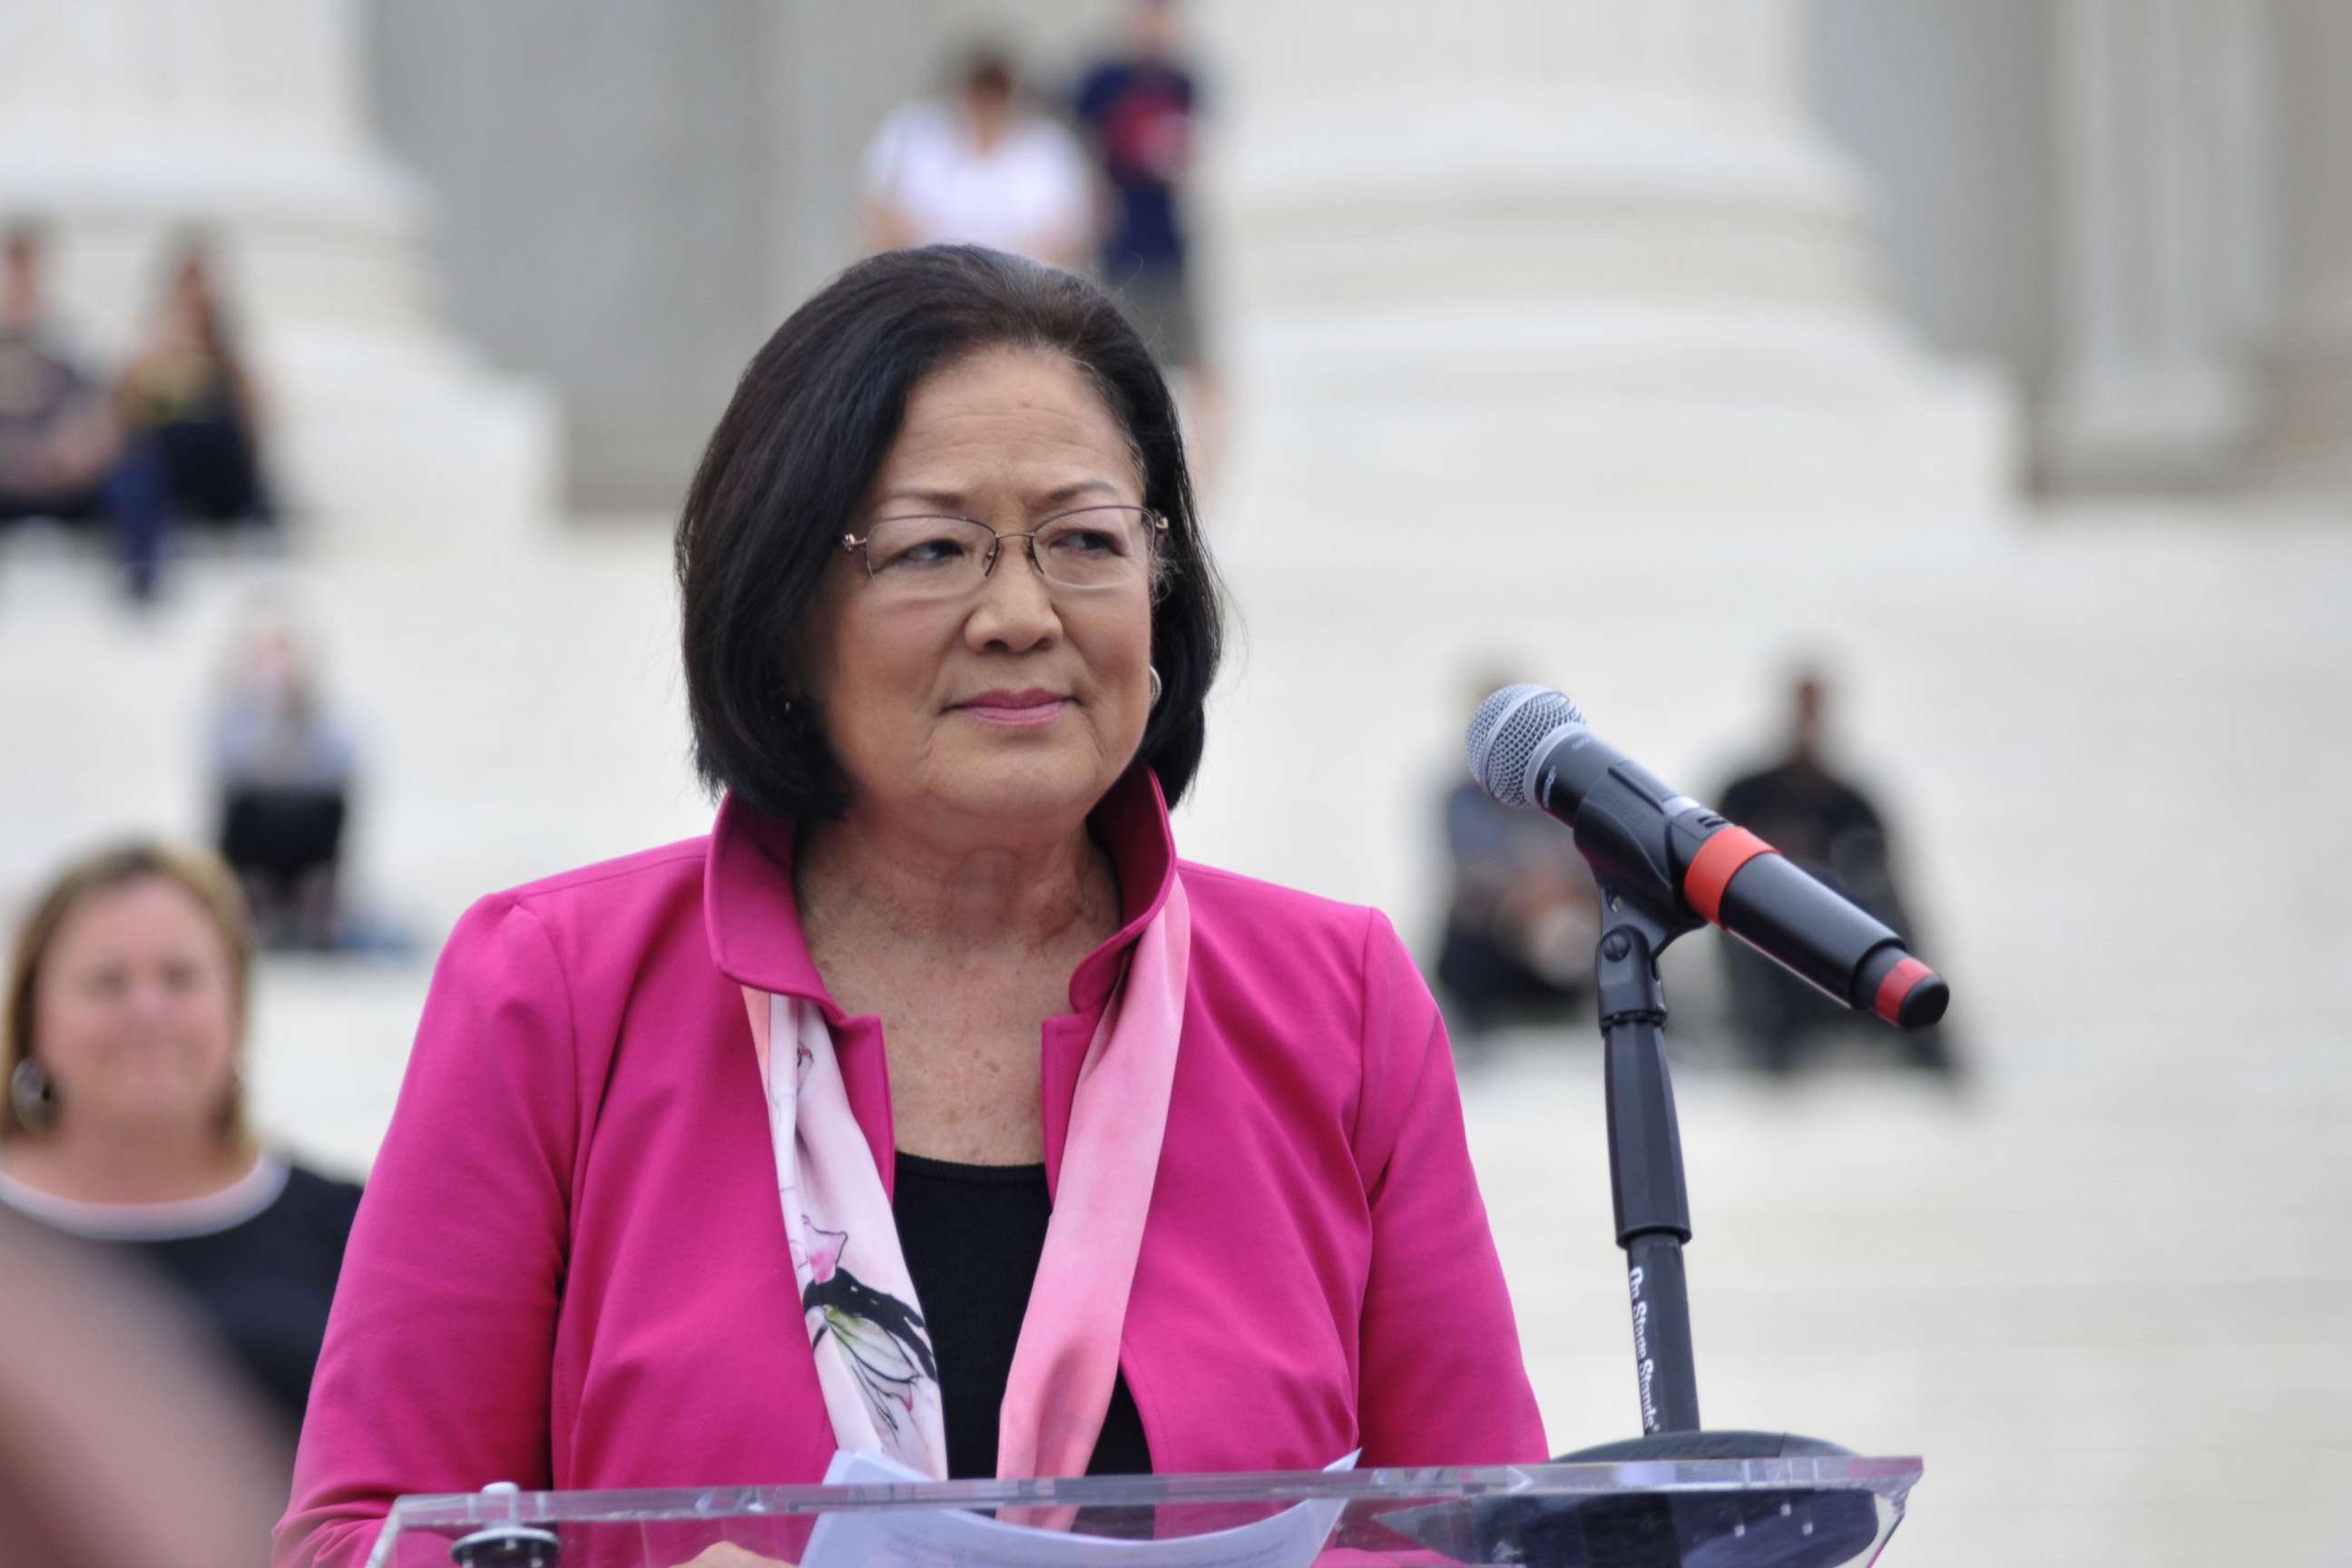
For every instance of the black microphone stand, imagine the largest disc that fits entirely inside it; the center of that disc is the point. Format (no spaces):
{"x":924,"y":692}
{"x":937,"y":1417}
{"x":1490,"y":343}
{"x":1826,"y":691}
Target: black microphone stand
{"x":1641,"y":839}
{"x":1650,"y":1200}
{"x":1652,"y":1203}
{"x":1645,"y":1158}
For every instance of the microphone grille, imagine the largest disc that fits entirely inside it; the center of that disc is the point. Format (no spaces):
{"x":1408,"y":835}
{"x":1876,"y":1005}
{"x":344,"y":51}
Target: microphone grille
{"x":1504,"y":735}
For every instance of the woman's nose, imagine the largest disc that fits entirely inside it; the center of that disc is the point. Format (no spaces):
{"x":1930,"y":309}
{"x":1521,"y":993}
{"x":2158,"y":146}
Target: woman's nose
{"x":143,"y":1004}
{"x":1017,"y":604}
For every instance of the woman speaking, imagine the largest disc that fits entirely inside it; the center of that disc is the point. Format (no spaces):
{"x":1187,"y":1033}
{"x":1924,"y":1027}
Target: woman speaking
{"x":929,"y":1105}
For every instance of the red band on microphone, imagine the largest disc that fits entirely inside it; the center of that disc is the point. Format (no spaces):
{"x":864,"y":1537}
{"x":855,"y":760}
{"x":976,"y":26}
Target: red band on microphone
{"x":1896,"y":986}
{"x":1711,"y":868}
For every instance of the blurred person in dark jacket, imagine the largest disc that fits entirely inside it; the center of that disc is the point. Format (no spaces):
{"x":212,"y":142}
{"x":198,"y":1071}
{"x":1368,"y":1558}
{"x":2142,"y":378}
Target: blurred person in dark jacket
{"x":1802,"y":807}
{"x":125,"y":1120}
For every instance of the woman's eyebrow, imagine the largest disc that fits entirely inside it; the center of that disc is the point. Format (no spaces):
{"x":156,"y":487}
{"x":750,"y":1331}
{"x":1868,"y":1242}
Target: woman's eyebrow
{"x":1064,"y":494}
{"x":952,"y":502}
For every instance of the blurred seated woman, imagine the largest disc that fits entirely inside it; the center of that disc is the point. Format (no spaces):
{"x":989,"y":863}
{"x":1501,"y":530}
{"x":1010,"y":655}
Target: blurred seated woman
{"x":124,"y":1123}
{"x":929,"y":1105}
{"x":188,"y":400}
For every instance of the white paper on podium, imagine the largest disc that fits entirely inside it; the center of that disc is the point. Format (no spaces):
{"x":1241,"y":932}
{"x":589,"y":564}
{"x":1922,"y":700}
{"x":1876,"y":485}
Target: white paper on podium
{"x":958,"y":1537}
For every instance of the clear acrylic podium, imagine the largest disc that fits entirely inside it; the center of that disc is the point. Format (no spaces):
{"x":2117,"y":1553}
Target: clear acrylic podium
{"x":1790,"y":1512}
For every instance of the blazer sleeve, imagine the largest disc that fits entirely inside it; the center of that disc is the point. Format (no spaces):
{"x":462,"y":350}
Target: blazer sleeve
{"x":1442,"y":1381}
{"x":435,"y":1373}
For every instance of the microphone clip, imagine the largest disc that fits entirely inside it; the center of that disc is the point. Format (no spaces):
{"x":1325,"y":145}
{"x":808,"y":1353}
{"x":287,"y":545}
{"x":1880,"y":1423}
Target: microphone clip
{"x":1625,"y":974}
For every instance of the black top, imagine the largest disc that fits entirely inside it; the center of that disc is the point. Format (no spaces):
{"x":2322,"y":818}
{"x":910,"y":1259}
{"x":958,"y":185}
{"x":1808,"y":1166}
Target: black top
{"x":261,"y":1278}
{"x":972,"y":1236}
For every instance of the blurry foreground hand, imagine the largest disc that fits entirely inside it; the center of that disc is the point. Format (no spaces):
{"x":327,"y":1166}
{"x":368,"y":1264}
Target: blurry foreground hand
{"x":121,"y":1442}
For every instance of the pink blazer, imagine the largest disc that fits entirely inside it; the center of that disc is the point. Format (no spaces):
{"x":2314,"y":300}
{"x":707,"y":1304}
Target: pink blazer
{"x":569,"y":1269}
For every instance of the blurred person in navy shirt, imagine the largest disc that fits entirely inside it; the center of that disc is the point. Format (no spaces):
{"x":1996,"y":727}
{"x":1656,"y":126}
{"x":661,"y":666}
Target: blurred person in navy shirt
{"x":1139,"y":108}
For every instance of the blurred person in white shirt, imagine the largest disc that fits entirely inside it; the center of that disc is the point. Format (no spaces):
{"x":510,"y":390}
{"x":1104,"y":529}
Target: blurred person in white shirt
{"x":978,"y":167}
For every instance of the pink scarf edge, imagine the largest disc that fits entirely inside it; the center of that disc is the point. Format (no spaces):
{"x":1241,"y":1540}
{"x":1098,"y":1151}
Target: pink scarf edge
{"x":1066,"y":1360}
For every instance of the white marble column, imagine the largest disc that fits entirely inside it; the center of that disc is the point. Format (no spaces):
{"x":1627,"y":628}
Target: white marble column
{"x":2307,"y":425}
{"x":1614,"y":227}
{"x":1556,"y":352}
{"x":2162,"y":116}
{"x":124,"y":123}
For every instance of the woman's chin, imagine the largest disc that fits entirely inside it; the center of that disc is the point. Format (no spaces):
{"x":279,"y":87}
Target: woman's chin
{"x":1027,"y":790}
{"x":152,"y":1109}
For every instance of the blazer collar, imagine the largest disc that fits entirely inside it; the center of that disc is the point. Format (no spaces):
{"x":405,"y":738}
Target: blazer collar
{"x":753,"y":925}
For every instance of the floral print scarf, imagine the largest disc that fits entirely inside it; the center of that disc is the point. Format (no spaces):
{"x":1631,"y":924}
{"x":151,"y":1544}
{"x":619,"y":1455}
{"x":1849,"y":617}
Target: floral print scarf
{"x":866,"y":1327}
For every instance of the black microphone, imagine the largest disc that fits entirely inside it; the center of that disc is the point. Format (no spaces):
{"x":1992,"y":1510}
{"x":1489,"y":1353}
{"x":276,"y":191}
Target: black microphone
{"x":1530,"y":748}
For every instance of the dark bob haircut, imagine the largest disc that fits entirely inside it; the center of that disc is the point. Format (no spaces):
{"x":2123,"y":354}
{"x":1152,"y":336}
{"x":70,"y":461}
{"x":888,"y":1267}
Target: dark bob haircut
{"x":796,"y":452}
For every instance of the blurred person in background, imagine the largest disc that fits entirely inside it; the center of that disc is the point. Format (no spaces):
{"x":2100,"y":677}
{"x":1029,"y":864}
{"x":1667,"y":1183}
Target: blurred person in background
{"x":62,"y":455}
{"x":978,"y":167}
{"x":188,"y":399}
{"x":1138,"y":107}
{"x":283,"y":767}
{"x":1801,"y":807}
{"x":123,"y":1437}
{"x":1522,"y":914}
{"x":927,"y":1106}
{"x":124,"y":1121}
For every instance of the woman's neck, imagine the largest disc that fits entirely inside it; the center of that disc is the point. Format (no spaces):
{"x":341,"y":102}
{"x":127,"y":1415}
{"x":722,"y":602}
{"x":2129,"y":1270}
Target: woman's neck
{"x":852,"y":878}
{"x":102,"y":1165}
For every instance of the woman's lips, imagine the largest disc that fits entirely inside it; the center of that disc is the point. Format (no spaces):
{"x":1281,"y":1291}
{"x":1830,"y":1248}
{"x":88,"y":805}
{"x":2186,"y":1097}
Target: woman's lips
{"x":1018,"y":708}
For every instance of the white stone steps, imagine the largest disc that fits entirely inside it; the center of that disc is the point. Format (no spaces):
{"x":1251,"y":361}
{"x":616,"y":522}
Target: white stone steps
{"x":2106,"y":1291}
